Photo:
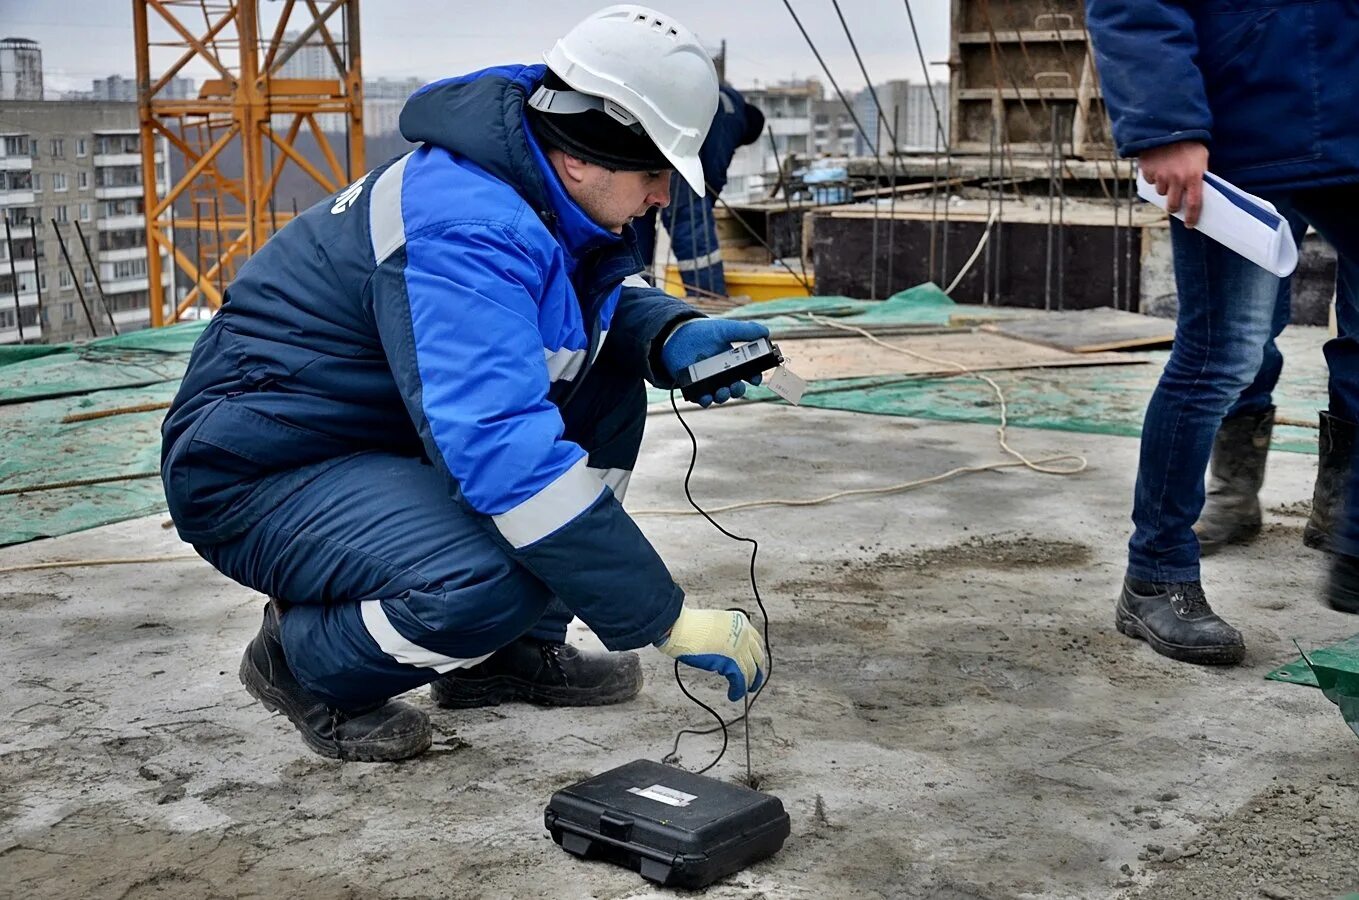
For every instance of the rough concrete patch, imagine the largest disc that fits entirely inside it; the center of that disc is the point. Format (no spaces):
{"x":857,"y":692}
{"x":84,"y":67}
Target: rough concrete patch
{"x":1298,"y":509}
{"x":16,"y":600}
{"x":999,"y":552}
{"x":79,"y":859}
{"x":849,"y":579}
{"x":1295,"y":840}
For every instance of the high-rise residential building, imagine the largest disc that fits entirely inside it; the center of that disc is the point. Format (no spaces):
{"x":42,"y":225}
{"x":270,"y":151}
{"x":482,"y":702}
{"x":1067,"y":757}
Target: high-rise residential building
{"x":383,"y":101}
{"x":67,"y":164}
{"x":833,"y":130}
{"x":789,"y":109}
{"x":911,"y":105}
{"x":20,"y":69}
{"x":311,"y":61}
{"x":124,"y":90}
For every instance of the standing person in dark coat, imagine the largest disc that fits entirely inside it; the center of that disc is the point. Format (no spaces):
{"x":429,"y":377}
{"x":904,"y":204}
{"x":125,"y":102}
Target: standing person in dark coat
{"x":1266,"y":95}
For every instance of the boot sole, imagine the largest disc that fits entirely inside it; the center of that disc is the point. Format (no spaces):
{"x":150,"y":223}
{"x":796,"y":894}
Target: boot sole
{"x":1315,"y":538}
{"x":1133,"y":627}
{"x":389,"y":750}
{"x":500,"y":689}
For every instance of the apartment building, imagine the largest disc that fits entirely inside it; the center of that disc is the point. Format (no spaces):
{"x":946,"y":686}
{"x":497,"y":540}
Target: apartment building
{"x":72,"y":173}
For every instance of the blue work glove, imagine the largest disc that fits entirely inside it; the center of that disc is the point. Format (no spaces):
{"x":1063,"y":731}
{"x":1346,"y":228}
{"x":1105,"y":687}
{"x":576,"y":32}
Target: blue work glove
{"x":721,"y":641}
{"x":698,"y":339}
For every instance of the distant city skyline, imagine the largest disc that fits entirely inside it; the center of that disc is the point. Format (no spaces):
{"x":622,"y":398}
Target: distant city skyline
{"x":85,"y":40}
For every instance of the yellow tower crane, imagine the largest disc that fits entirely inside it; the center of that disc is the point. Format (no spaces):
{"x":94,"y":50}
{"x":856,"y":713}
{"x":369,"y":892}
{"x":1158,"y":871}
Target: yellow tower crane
{"x":240,"y":132}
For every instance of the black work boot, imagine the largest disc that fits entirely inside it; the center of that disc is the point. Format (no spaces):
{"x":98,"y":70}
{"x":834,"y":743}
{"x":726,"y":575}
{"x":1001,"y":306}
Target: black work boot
{"x":542,"y":672}
{"x":1335,"y":444}
{"x":1342,"y":583}
{"x":380,"y":733}
{"x":1176,"y":620}
{"x":1231,"y":513}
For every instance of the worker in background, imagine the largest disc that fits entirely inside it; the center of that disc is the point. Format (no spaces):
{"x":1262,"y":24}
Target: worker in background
{"x":1265,"y":98}
{"x":690,"y":218}
{"x":406,"y":425}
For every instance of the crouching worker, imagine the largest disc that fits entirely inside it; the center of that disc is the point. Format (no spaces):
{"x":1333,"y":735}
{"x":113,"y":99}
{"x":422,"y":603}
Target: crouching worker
{"x":413,"y":419}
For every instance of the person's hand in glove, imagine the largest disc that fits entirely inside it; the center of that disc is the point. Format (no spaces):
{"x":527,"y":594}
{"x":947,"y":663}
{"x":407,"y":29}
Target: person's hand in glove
{"x":698,"y":339}
{"x":721,"y":641}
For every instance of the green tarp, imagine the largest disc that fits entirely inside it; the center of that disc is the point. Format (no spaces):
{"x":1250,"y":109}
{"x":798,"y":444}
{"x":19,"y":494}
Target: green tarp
{"x":1096,"y":399}
{"x":39,"y":386}
{"x":1333,"y":669}
{"x":132,"y":370}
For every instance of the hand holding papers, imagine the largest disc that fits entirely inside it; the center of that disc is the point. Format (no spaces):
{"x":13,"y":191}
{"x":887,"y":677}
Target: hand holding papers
{"x":1239,"y":221}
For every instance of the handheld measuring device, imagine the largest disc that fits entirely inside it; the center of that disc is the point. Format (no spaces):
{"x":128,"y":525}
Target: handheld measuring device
{"x":737,"y":364}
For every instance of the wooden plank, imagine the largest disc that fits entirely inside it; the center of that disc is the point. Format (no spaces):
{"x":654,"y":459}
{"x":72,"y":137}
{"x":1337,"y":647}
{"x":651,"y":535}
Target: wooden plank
{"x":819,"y":358}
{"x":1089,"y":330}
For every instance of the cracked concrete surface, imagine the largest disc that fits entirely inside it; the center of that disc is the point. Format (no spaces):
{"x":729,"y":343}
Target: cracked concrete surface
{"x":951,"y":713}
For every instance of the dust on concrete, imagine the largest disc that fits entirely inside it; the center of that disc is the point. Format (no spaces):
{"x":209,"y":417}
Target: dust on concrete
{"x":97,"y":853}
{"x":27,"y":599}
{"x":1298,"y":839}
{"x":991,"y":552}
{"x":1300,"y":509}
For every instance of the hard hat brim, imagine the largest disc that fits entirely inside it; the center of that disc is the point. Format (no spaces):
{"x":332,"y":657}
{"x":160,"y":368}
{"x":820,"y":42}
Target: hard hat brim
{"x":691,"y":170}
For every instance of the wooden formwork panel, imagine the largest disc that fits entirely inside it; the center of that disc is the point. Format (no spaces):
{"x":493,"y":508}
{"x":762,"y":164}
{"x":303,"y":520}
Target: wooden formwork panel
{"x":981,"y":15}
{"x":1012,"y":63}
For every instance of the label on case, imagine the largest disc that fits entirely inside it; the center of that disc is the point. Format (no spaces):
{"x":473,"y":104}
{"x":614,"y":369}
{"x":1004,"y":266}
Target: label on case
{"x":662,"y":794}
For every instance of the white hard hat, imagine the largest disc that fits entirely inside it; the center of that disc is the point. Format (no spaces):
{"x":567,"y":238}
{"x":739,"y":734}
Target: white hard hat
{"x":642,"y":67}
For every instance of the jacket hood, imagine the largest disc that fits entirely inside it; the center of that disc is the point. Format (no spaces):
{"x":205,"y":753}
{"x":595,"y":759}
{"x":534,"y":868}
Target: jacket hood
{"x":480,"y":117}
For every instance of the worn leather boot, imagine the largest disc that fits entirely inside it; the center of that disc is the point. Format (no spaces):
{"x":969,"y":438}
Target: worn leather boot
{"x":1335,"y":444}
{"x":383,"y":732}
{"x":1176,"y":620}
{"x":1342,"y":583}
{"x":545,"y":673}
{"x":1231,"y":513}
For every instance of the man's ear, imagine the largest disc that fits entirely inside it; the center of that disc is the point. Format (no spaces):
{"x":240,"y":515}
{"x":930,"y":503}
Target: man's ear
{"x":574,"y":169}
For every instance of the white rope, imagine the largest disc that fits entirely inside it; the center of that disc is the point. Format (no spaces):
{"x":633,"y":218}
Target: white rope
{"x":986,"y":234}
{"x":1036,"y":465}
{"x":1043,"y":465}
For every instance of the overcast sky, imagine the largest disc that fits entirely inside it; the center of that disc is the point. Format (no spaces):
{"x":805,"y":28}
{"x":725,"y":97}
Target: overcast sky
{"x":86,"y":39}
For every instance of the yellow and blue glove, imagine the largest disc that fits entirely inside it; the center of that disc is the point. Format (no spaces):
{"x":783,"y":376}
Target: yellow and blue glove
{"x":721,"y":641}
{"x":698,"y":339}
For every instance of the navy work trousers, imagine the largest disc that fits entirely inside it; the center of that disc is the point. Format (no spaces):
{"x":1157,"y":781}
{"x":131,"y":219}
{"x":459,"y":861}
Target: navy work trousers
{"x":387,"y":582}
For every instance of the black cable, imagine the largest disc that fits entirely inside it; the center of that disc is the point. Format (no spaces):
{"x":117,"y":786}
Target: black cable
{"x":672,"y":757}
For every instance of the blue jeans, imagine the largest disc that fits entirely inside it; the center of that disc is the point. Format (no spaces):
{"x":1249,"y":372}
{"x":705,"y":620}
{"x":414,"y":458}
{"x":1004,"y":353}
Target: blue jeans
{"x":1225,"y":361}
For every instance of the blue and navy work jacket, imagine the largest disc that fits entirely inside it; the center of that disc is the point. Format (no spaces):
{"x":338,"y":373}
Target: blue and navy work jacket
{"x":1271,"y":86}
{"x":444,"y":304}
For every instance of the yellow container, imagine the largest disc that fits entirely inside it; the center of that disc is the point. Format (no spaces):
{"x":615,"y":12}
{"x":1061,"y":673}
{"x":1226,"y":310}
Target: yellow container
{"x":759,"y":283}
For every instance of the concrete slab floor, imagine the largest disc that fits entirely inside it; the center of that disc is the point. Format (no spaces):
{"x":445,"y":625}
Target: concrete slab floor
{"x":951,"y":714}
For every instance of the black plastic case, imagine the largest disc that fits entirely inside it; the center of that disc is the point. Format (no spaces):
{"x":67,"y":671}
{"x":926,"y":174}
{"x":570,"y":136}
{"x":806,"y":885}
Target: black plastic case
{"x":674,"y":827}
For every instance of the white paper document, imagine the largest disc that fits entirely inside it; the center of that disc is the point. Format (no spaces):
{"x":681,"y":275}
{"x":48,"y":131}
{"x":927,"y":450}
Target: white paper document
{"x":1238,"y":221}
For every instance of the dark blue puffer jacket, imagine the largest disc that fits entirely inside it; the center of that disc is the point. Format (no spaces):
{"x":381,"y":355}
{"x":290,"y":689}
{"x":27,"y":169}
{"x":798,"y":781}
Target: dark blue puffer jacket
{"x":1272,"y":86}
{"x":443,"y":304}
{"x":735,"y":124}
